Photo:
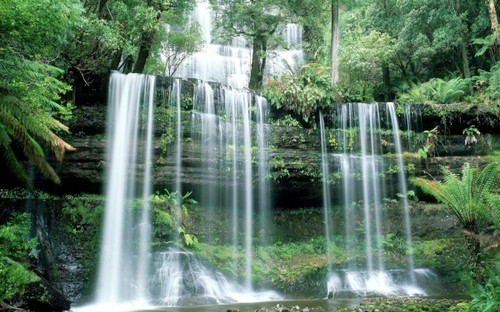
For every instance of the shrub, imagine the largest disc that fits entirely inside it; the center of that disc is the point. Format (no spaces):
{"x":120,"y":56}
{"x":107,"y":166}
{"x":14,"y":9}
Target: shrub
{"x":15,"y":247}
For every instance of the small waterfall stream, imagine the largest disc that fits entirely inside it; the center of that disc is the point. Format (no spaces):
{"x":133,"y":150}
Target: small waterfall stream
{"x":357,"y":131}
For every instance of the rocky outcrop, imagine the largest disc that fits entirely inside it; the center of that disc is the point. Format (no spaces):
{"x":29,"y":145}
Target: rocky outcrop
{"x":295,"y":160}
{"x":41,"y":296}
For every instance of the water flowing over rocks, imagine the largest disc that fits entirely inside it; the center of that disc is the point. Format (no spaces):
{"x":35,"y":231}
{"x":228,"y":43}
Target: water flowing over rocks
{"x":295,"y":172}
{"x":295,"y":161}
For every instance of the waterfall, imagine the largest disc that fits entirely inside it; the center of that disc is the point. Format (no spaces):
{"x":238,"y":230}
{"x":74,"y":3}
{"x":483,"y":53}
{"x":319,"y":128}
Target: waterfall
{"x":228,"y":135}
{"x":183,"y":280}
{"x":412,"y":121}
{"x":123,"y":269}
{"x":403,"y":189}
{"x":226,"y":125}
{"x":364,"y":179}
{"x":230,"y":64}
{"x":263,"y":169}
{"x":327,"y":201}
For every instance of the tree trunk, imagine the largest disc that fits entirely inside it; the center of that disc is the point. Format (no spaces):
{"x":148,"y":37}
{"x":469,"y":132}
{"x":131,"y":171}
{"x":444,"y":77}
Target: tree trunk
{"x":256,"y":69}
{"x":386,"y":76}
{"x":474,"y":247}
{"x":493,"y":16}
{"x":335,"y":42}
{"x":465,"y":60}
{"x":463,"y":48}
{"x":494,"y":28}
{"x":142,"y":56}
{"x":147,"y":39}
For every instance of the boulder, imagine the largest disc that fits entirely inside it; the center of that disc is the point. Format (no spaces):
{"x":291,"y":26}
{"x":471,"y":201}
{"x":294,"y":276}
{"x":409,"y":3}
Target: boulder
{"x":41,"y":296}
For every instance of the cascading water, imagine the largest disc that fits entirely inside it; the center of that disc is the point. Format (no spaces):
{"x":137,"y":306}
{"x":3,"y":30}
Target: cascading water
{"x":263,"y":169}
{"x":232,"y":128}
{"x":230,"y":64}
{"x":226,"y":122}
{"x":364,"y":188}
{"x":403,"y":190}
{"x":412,"y":121}
{"x":130,"y":275}
{"x":123,"y":268}
{"x":225,"y":130}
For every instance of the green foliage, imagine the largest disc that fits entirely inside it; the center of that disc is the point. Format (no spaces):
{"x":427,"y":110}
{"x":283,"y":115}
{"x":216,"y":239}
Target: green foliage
{"x":363,"y":54}
{"x":443,"y":254}
{"x":83,"y":214}
{"x":431,"y":137}
{"x":170,"y":218}
{"x":435,"y":90}
{"x":303,"y":94}
{"x":474,"y":199}
{"x":486,"y":86}
{"x":261,"y":22}
{"x":80,"y":224}
{"x":487,"y":297}
{"x":486,"y":43}
{"x":471,"y":197}
{"x":178,"y":45}
{"x":286,"y":121}
{"x":449,"y":91}
{"x":15,"y":247}
{"x":30,"y":88}
{"x":429,"y":39}
{"x":470,"y":133}
{"x":112,"y":33}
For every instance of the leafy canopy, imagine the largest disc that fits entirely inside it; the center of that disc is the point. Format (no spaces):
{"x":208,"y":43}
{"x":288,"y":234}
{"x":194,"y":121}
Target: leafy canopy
{"x":30,"y":89}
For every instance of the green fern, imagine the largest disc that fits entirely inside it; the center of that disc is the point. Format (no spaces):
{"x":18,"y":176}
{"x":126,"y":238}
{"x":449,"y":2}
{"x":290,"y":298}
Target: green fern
{"x":474,"y":199}
{"x":445,"y":92}
{"x":415,"y":94}
{"x":10,"y":158}
{"x":29,"y":102}
{"x":471,"y":197}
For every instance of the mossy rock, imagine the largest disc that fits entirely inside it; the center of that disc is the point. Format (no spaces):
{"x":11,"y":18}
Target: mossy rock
{"x":41,"y":296}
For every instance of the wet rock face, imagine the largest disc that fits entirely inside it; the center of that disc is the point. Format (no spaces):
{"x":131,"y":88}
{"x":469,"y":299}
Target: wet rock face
{"x":294,"y":159}
{"x":41,"y":296}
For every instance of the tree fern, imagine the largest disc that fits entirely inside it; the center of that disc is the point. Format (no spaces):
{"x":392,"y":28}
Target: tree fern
{"x":442,"y":91}
{"x":470,"y":197}
{"x":29,"y":146}
{"x":10,"y":159}
{"x":29,"y":98}
{"x":475,"y":200}
{"x":30,"y":86}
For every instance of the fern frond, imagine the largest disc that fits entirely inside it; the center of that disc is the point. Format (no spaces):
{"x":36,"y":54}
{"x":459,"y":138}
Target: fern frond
{"x":4,"y":136}
{"x":31,"y":149}
{"x":59,"y":146}
{"x":15,"y":167}
{"x":38,"y":126}
{"x":473,"y":197}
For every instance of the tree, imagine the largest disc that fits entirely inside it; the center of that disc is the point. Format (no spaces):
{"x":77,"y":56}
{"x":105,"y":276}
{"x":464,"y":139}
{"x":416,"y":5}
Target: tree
{"x":493,"y":17}
{"x":121,"y":35}
{"x":257,"y":21}
{"x":335,"y":42}
{"x":166,"y":11}
{"x":494,"y":26}
{"x":474,"y":199}
{"x":177,"y":46}
{"x":30,"y":90}
{"x":260,"y":23}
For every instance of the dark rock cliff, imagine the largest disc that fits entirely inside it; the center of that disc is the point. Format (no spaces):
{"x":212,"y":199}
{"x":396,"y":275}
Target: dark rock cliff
{"x":295,"y":159}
